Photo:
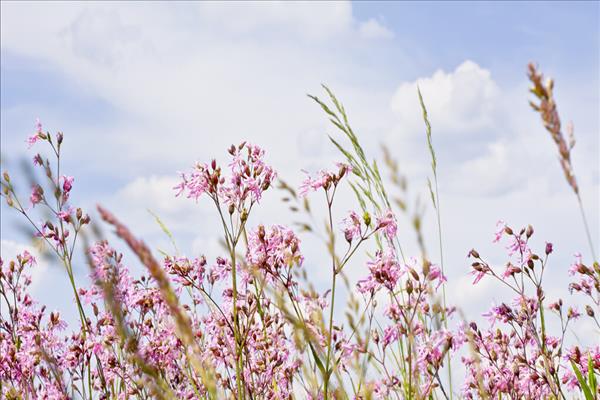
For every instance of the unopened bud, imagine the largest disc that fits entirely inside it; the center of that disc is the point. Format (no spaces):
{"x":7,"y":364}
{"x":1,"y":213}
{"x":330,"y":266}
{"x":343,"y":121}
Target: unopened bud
{"x":367,"y":218}
{"x":409,"y":286}
{"x":6,"y":177}
{"x":589,"y":311}
{"x":529,"y":231}
{"x":414,"y":274}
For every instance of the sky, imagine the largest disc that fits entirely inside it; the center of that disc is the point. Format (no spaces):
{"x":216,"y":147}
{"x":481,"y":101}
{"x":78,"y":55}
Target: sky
{"x":143,"y":90}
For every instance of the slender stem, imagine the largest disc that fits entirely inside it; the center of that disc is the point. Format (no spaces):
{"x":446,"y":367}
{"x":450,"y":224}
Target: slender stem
{"x":334,"y":272}
{"x":439,"y":223}
{"x":587,"y":228}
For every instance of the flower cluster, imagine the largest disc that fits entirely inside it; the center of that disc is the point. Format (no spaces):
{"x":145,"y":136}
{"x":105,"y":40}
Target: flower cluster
{"x":250,"y":177}
{"x":517,"y":356}
{"x":324,"y":179}
{"x":32,"y":346}
{"x":273,"y":250}
{"x":413,"y":317}
{"x":355,"y":227}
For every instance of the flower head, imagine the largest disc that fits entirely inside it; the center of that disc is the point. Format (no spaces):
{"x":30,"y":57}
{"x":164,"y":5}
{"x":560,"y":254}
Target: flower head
{"x":384,"y":272}
{"x":250,"y":177}
{"x":37,"y":135}
{"x":387,"y":223}
{"x":324,"y":179}
{"x":272,"y":249}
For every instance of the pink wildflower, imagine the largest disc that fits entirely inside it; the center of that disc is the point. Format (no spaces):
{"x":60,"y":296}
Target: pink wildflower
{"x":387,"y":222}
{"x":31,"y":140}
{"x":37,"y":195}
{"x":352,"y":226}
{"x":324,"y":179}
{"x":384,"y":272}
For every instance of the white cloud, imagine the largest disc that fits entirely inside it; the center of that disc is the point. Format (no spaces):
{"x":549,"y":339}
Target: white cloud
{"x":460,"y":102}
{"x":372,"y":29}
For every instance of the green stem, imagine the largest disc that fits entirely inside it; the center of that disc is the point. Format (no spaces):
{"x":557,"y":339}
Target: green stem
{"x":587,"y":228}
{"x":328,"y":372}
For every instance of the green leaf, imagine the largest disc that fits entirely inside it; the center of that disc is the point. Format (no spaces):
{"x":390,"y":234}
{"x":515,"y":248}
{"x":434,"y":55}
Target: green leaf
{"x":584,"y":386}
{"x":592,"y":376}
{"x":317,"y":359}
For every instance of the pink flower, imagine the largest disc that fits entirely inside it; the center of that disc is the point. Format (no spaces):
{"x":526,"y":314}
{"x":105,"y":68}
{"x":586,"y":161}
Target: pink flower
{"x":387,"y":222}
{"x":501,"y":225}
{"x":65,"y":215}
{"x":435,"y":274}
{"x":37,"y":195}
{"x":199,"y":181}
{"x":37,"y":160}
{"x":31,"y":140}
{"x":511,"y":270}
{"x":352,"y":226}
{"x":324,"y":179}
{"x":574,"y":268}
{"x":479,"y":271}
{"x":384,"y":272}
{"x":273,"y":249}
{"x":67,"y":183}
{"x":250,"y":177}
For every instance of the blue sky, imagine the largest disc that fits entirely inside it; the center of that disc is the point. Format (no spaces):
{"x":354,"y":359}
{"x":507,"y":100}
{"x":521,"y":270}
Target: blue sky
{"x":142,"y":90}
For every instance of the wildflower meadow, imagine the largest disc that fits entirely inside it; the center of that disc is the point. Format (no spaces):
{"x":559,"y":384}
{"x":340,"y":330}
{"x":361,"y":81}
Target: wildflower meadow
{"x":251,"y":324}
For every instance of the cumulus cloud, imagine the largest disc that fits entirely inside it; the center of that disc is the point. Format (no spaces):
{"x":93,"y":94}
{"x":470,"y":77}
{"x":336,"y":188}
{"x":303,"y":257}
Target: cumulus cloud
{"x":460,"y":102}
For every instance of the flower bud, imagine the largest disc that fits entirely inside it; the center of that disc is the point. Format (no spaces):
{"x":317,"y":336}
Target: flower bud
{"x":409,"y":286}
{"x":473,"y":253}
{"x":529,"y":231}
{"x":589,"y":311}
{"x":367,"y":218}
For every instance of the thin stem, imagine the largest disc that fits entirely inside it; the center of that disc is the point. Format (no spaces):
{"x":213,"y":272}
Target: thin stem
{"x":587,"y":228}
{"x":334,"y":272}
